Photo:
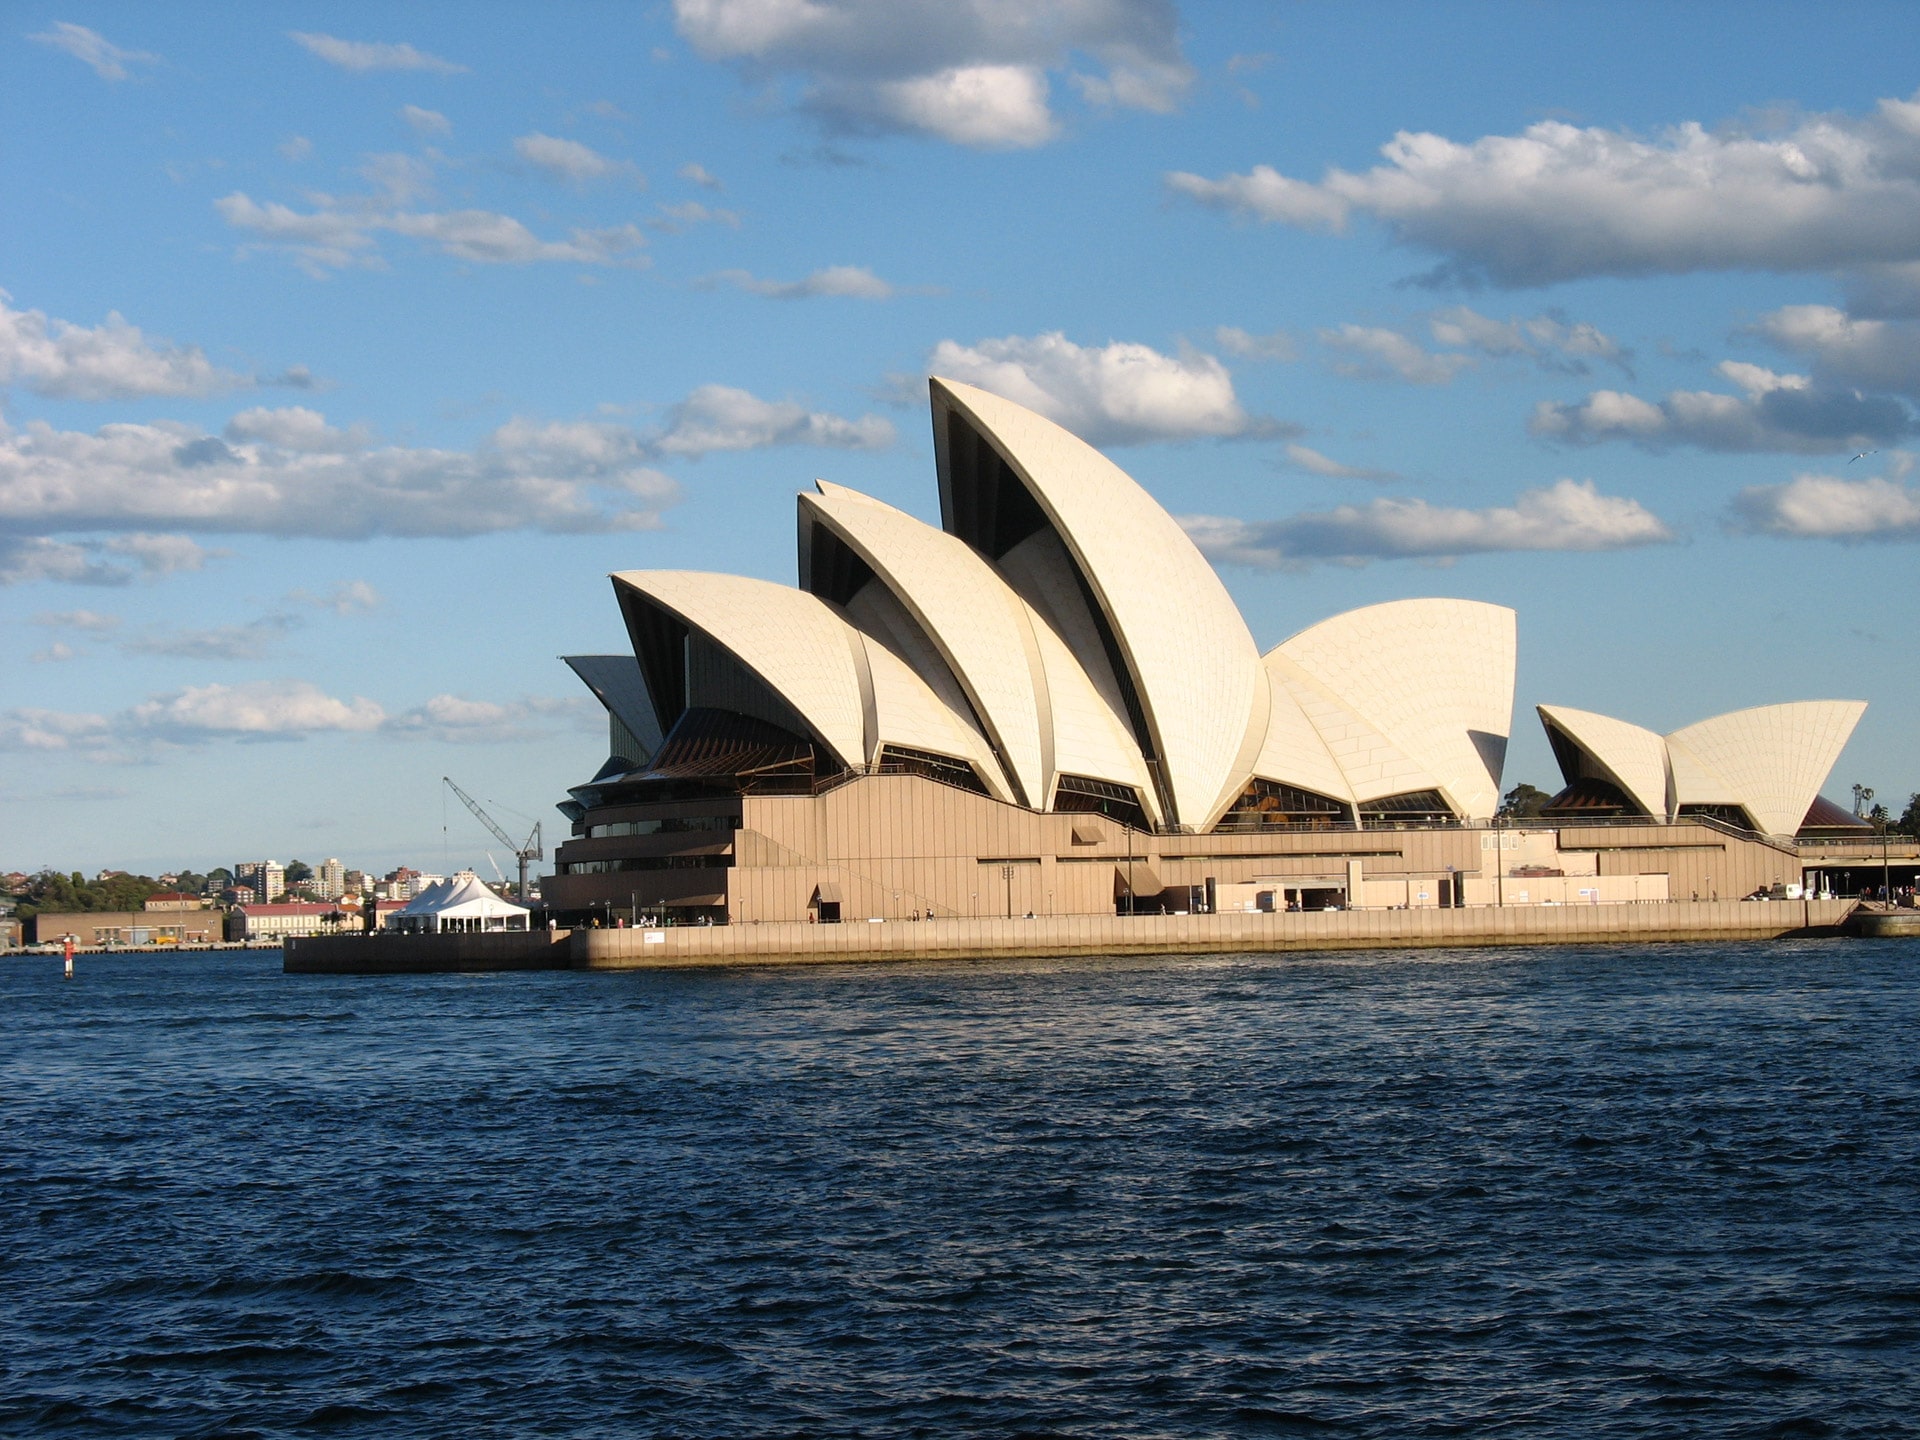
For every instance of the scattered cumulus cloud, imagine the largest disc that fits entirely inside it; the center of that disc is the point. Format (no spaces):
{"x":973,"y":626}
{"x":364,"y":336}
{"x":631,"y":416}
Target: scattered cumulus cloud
{"x":854,"y":282}
{"x":1549,"y":340}
{"x":699,"y":175}
{"x":970,"y":72}
{"x":1371,"y":353}
{"x":1123,"y":393}
{"x":719,"y":417}
{"x":54,"y":653}
{"x":92,"y":622}
{"x":1829,"y":507}
{"x":336,"y":235}
{"x":365,"y":56}
{"x":571,"y":160}
{"x":94,"y":50}
{"x":109,"y":361}
{"x":349,"y":597}
{"x":116,"y":560}
{"x":294,"y":427}
{"x":1314,"y":463}
{"x":1277,"y":345}
{"x":278,"y":710}
{"x":1872,"y":354}
{"x":563,"y":477}
{"x":1775,"y":413}
{"x":426,"y":122}
{"x":252,"y":640}
{"x":456,"y":719}
{"x":288,"y":471}
{"x":1561,"y":202}
{"x":1567,"y":515}
{"x":295,"y":148}
{"x":677,"y":219}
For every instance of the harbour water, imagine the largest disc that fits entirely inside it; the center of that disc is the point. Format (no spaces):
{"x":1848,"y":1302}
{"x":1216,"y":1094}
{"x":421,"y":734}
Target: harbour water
{"x":1655,"y":1191}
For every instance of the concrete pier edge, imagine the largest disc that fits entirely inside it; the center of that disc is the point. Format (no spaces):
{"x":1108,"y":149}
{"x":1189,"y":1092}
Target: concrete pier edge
{"x":1074,"y":935}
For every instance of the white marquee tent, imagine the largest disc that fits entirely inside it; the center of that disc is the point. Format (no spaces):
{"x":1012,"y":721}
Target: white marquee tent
{"x":458,"y":905}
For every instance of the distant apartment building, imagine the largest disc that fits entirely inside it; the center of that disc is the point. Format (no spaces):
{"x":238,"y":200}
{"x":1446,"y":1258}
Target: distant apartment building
{"x":331,"y":879}
{"x":266,"y":878}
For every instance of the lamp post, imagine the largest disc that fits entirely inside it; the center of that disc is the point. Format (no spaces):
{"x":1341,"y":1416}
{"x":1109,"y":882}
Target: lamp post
{"x":1006,"y":874}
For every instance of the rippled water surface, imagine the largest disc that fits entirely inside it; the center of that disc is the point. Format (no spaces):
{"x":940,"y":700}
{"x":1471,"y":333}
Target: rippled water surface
{"x":1672,"y":1191}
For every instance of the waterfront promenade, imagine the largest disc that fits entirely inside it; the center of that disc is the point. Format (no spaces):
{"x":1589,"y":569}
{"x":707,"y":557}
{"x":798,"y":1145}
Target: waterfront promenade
{"x":1070,"y":935}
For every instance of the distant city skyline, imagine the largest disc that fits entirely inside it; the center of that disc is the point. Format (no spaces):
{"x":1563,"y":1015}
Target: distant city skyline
{"x":344,"y":355}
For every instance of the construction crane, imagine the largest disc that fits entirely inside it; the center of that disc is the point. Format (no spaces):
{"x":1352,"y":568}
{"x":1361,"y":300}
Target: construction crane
{"x":523,"y":853}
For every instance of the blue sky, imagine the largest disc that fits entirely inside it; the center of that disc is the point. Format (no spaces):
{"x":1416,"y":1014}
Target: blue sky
{"x":347,"y":348}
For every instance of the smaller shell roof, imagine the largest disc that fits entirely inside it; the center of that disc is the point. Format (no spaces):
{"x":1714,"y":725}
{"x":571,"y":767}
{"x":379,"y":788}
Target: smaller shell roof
{"x":462,"y":897}
{"x":1633,"y":758}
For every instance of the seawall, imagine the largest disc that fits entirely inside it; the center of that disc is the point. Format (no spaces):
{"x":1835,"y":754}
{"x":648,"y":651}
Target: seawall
{"x":1068,"y":935}
{"x":426,"y":954}
{"x":969,"y":939}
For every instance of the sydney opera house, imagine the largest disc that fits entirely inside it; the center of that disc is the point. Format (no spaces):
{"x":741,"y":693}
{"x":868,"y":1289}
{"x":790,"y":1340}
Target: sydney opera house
{"x":1050,"y":705}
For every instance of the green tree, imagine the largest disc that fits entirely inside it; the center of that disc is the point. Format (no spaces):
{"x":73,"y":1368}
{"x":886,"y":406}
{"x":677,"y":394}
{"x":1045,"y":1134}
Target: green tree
{"x":50,"y":891}
{"x":1909,"y":823}
{"x":217,"y":879}
{"x":298,"y":872}
{"x":1523,"y":802}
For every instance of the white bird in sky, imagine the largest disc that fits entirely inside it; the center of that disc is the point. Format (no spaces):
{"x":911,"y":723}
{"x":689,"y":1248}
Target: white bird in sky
{"x":1863,"y":455}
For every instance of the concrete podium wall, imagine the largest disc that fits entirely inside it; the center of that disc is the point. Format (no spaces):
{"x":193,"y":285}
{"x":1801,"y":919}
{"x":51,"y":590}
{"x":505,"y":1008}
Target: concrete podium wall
{"x":960,"y":939}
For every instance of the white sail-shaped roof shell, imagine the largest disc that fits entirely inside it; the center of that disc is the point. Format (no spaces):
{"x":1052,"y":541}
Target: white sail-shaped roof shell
{"x":794,"y":642}
{"x":852,"y":692}
{"x":1193,"y":663}
{"x":1370,"y":764}
{"x":966,"y":610}
{"x":1294,"y":752}
{"x":1632,"y":758}
{"x":1434,"y":679}
{"x":1771,"y":760}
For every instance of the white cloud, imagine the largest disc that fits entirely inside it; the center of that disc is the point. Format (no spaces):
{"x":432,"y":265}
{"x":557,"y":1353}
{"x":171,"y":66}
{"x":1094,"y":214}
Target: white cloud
{"x":119,"y":560}
{"x":1387,"y":354}
{"x":678,"y":218}
{"x":1549,"y":340}
{"x":569,"y":159}
{"x":295,"y":148}
{"x":294,"y":427}
{"x":249,"y":641}
{"x":365,"y":56}
{"x":565,"y":478}
{"x":854,"y":282}
{"x":1558,"y":202}
{"x":1117,"y":394}
{"x":349,"y":597}
{"x":1278,"y":345}
{"x":1831,"y":508}
{"x":59,"y":650}
{"x":1778,"y":413}
{"x":91,"y":48}
{"x":426,"y":122}
{"x":35,"y":729}
{"x":700,"y":175}
{"x":973,"y":72}
{"x":719,"y":417}
{"x":1567,"y":515}
{"x":988,"y":107}
{"x":250,"y":711}
{"x":334,"y":235}
{"x":111,"y":361}
{"x":254,"y":709}
{"x":1314,"y":463}
{"x":92,"y":622}
{"x":459,"y":720}
{"x":1873,"y":354}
